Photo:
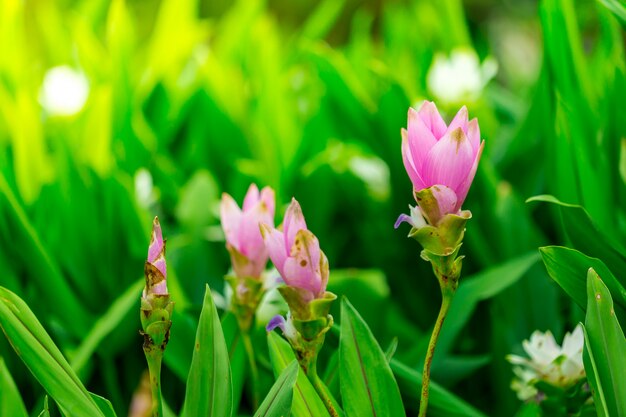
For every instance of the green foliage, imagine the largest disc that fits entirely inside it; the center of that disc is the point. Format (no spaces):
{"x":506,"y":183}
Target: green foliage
{"x":209,"y":384}
{"x":606,"y":349}
{"x":278,"y":400}
{"x":308,"y":97}
{"x":368,"y":387}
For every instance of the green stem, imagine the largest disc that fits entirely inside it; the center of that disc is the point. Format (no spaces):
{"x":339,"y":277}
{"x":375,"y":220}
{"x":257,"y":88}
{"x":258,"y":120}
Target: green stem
{"x":445,"y":306}
{"x":321,"y":388}
{"x":254,"y":370}
{"x":154,"y":357}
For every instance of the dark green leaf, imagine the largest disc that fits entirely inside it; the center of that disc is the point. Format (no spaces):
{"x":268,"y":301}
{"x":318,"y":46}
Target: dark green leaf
{"x":568,"y":268}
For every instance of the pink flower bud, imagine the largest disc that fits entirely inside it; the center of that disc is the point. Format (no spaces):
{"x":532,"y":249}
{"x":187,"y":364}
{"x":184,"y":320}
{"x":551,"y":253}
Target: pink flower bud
{"x":444,"y":156}
{"x":155,"y":267}
{"x":241,"y":227}
{"x":296,"y":253}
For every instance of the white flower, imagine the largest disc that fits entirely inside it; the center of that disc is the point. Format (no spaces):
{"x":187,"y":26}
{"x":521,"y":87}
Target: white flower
{"x":548,"y":362}
{"x":64,"y":91}
{"x":459,"y":77}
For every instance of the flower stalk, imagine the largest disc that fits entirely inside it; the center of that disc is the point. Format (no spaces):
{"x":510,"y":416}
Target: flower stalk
{"x":156,"y":312}
{"x":441,"y":161}
{"x":297,"y":256}
{"x":249,"y":257}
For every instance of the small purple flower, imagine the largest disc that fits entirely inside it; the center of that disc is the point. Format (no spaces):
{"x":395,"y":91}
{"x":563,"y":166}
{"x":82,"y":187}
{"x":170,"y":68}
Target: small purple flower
{"x":241,"y":227}
{"x":285,"y":325}
{"x":296,"y":253}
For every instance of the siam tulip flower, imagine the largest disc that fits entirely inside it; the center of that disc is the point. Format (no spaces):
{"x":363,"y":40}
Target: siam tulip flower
{"x":440,"y":159}
{"x":559,"y":366}
{"x":155,"y":267}
{"x":156,"y":312}
{"x":241,"y":227}
{"x":296,"y":254}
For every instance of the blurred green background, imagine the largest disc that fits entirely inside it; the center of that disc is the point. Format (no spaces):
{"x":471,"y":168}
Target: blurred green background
{"x":113,"y":112}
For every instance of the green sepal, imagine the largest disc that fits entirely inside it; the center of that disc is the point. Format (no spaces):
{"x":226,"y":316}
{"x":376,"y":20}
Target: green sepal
{"x":244,"y":304}
{"x":302,"y":304}
{"x":445,"y":238}
{"x":429,"y":205}
{"x":310,"y":330}
{"x":156,"y":313}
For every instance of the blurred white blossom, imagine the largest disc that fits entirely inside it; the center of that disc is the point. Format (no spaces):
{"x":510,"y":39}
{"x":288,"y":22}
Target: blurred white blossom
{"x":459,"y":77}
{"x":64,"y":91}
{"x":560,"y":366}
{"x":144,"y":188}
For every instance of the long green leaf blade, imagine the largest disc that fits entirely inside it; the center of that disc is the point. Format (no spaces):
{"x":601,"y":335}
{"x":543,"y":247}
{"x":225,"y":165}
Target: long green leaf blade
{"x":209,"y":385}
{"x":368,"y":387}
{"x":278,"y":400}
{"x":607,"y":342}
{"x":11,"y":403}
{"x":41,"y":356}
{"x":306,"y":402}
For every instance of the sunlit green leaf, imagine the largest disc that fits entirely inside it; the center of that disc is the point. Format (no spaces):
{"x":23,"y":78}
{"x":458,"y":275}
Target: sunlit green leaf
{"x":278,"y":400}
{"x":209,"y":386}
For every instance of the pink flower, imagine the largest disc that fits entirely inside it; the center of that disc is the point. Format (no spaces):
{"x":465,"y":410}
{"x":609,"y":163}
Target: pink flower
{"x":241,"y":227}
{"x":296,"y":253}
{"x":443,"y":156}
{"x":155,"y":268}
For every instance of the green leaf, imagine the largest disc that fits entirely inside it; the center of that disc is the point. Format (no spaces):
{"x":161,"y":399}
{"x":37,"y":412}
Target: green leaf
{"x":11,"y":403}
{"x":209,"y":386}
{"x":106,"y":324}
{"x":591,"y":369}
{"x":368,"y":387}
{"x":40,"y":265}
{"x":607,"y":344}
{"x":617,"y":7}
{"x":46,"y":411}
{"x":568,"y":268}
{"x":587,"y":237}
{"x":44,"y":360}
{"x":104,"y":405}
{"x":278,"y":400}
{"x":306,"y":401}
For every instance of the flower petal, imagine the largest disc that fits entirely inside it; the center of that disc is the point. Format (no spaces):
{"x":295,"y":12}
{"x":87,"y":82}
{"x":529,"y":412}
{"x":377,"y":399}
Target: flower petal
{"x":251,"y":198}
{"x":275,"y":244}
{"x":407,"y":159}
{"x":156,"y":241}
{"x":449,"y":161}
{"x":460,"y":120}
{"x":230,"y":215}
{"x":302,"y":267}
{"x":432,"y":119}
{"x":276,"y":321}
{"x":268,"y":197}
{"x":421,"y":139}
{"x":446,"y":199}
{"x":294,"y":221}
{"x":403,"y":218}
{"x":463,"y":189}
{"x":473,"y":134}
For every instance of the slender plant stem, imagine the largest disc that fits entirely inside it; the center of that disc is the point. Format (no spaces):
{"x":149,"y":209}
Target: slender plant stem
{"x":254,"y":370}
{"x":445,"y":306}
{"x":320,"y":388}
{"x":154,"y":358}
